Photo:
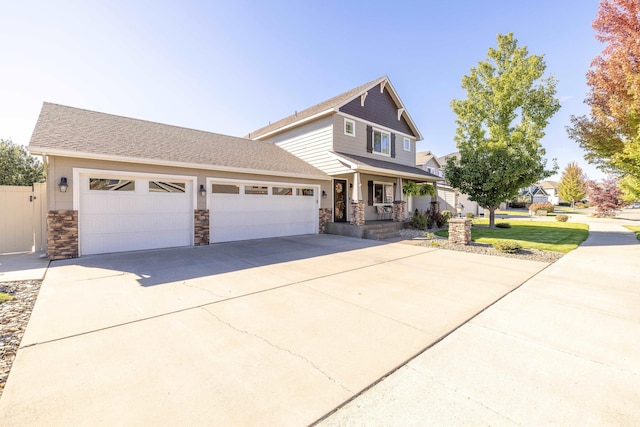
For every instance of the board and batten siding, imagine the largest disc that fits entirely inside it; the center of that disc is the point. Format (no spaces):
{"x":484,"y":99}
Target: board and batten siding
{"x":358,"y":145}
{"x":312,"y":143}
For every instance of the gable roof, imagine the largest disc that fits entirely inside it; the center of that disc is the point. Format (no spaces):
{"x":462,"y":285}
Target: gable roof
{"x":74,"y":132}
{"x":549,"y":184}
{"x":331,"y":106}
{"x":423,"y":157}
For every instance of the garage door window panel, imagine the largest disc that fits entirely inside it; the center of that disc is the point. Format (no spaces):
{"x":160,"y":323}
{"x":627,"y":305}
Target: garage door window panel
{"x":256,"y":190}
{"x":105,"y":184}
{"x":309,"y":192}
{"x":282,"y":191}
{"x":166,"y":187}
{"x":225,"y":189}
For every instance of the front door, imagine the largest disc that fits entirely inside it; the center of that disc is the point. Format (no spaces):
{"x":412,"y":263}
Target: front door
{"x":339,"y":200}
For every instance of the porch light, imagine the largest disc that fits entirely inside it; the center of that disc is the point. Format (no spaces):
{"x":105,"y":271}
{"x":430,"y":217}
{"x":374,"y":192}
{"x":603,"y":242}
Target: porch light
{"x":203,"y":192}
{"x":63,"y":186}
{"x":460,"y":207}
{"x":324,"y":194}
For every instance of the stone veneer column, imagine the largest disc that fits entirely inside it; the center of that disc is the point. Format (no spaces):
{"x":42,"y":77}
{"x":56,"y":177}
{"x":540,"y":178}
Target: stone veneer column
{"x":357,"y":213}
{"x":398,"y":213}
{"x":62,"y":234}
{"x":201,"y":227}
{"x":460,"y":231}
{"x":325,"y":215}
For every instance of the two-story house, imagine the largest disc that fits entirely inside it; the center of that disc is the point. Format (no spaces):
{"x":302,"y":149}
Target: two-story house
{"x":365,"y":140}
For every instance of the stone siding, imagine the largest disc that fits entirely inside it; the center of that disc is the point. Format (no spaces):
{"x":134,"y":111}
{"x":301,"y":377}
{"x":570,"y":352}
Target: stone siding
{"x":357,"y":213}
{"x":325,"y":215}
{"x":460,"y":231}
{"x":399,"y":211}
{"x":62,"y":234}
{"x":201,"y":227}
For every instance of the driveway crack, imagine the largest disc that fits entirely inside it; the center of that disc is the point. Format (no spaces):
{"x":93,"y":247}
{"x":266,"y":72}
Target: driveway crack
{"x":265,"y":340}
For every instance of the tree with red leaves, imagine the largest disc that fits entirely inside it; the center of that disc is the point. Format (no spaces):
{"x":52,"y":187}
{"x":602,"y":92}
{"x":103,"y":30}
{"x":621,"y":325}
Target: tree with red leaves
{"x":606,"y":196}
{"x":611,"y":133}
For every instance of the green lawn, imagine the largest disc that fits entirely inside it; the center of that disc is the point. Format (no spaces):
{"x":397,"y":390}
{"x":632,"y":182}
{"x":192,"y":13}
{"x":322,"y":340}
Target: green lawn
{"x":635,"y":229}
{"x":549,"y":236}
{"x":5,"y":297}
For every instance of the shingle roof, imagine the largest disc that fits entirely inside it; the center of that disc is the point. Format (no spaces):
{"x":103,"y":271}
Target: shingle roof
{"x":423,"y":157}
{"x":328,"y":106}
{"x":62,"y":129}
{"x":395,"y":168}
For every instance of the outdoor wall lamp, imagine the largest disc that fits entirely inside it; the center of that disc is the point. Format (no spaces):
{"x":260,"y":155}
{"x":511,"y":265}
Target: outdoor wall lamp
{"x":203,"y":192}
{"x":63,"y":184}
{"x":324,"y":194}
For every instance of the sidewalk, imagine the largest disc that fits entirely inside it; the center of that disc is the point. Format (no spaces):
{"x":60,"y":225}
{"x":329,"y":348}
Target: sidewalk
{"x":22,"y":266}
{"x":561,"y":350}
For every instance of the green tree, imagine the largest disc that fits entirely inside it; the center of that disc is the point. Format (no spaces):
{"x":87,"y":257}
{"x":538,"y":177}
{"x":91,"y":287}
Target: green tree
{"x":572,"y":184}
{"x":500,"y":125}
{"x":17,"y":166}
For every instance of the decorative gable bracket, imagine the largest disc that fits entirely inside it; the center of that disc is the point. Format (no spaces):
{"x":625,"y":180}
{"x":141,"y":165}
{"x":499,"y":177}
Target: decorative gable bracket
{"x":382,"y":85}
{"x":362,"y":98}
{"x":400,"y":111}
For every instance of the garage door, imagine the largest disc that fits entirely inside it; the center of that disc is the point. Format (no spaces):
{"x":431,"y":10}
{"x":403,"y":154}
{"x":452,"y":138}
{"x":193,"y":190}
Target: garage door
{"x":241,"y":211}
{"x":124,"y":213}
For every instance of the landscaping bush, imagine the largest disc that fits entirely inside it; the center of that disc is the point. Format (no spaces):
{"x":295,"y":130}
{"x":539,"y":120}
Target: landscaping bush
{"x":470,"y":215}
{"x":439,"y":219}
{"x":566,"y":204}
{"x":546,"y":206}
{"x":503,"y":225}
{"x":418,"y":220}
{"x":517,"y":205}
{"x":507,"y":246}
{"x":446,"y":215}
{"x":562,"y":218}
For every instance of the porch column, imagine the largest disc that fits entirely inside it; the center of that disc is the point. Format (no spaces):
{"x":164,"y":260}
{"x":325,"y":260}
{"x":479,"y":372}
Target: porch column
{"x":399,"y":211}
{"x":357,"y":204}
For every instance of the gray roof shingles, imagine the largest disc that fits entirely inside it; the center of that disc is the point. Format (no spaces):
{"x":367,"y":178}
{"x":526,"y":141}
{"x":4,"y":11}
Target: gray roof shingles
{"x":381,"y":164}
{"x":92,"y":133}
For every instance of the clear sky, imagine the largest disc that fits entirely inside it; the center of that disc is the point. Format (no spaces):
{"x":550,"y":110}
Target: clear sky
{"x":233,"y":66}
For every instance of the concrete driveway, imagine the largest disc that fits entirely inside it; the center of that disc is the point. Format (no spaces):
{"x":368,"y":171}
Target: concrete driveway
{"x":266,"y":332}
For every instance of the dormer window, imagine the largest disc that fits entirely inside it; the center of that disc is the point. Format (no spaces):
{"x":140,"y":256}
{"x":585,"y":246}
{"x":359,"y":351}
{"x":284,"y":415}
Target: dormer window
{"x":349,"y":127}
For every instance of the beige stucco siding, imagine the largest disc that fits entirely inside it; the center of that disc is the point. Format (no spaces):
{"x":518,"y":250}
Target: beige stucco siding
{"x":358,"y":145}
{"x":63,"y":166}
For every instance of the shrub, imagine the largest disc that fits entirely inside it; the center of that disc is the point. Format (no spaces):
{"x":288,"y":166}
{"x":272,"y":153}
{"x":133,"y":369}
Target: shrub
{"x":446,"y":215}
{"x":546,"y":206}
{"x":439,"y":219}
{"x":470,"y":215}
{"x":562,"y":218}
{"x":435,"y":244}
{"x":503,"y":225}
{"x":581,"y":205}
{"x":507,"y":246}
{"x":564,"y":204}
{"x":419,"y":220}
{"x":517,"y":205}
{"x":429,"y":235}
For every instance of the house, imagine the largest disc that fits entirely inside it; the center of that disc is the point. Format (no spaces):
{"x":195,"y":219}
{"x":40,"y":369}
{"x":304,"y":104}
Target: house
{"x":365,"y":140}
{"x":533,"y":194}
{"x":551,"y":188}
{"x":119,"y":184}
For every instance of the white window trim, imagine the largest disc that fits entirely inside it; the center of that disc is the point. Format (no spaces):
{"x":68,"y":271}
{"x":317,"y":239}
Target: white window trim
{"x":373,"y":143}
{"x":383,"y":185}
{"x":406,"y":140}
{"x":353,"y":126}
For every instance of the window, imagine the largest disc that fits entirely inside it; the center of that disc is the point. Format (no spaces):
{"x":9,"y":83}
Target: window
{"x":112,"y":184}
{"x":166,"y":187}
{"x":349,"y":127}
{"x":382,"y":193}
{"x":225,"y":189}
{"x":304,"y":191}
{"x":407,"y":144}
{"x":381,"y":142}
{"x":282,"y":191}
{"x":255,"y":189}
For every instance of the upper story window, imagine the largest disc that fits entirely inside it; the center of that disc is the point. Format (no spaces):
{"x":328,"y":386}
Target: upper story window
{"x":349,"y":127}
{"x":381,"y":142}
{"x":407,"y":144}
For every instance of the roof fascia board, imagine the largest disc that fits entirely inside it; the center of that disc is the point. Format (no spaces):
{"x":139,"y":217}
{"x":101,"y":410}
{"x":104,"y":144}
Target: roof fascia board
{"x":93,"y":156}
{"x":365,"y":168}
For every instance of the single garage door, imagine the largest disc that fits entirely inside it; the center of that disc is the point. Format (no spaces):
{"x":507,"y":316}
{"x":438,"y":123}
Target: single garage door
{"x":241,"y":211}
{"x":123,"y":213}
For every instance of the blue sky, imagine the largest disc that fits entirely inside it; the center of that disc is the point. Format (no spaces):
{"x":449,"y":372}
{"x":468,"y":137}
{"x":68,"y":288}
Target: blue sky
{"x":233,"y":66}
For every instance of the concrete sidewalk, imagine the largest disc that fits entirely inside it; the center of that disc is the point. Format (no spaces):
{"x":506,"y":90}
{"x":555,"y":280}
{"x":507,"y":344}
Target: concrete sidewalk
{"x":22,"y":266}
{"x":269,"y":332}
{"x":560,"y":350}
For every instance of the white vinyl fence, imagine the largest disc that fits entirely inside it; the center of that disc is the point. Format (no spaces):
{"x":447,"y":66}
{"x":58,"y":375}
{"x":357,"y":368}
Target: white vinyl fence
{"x":23,"y":218}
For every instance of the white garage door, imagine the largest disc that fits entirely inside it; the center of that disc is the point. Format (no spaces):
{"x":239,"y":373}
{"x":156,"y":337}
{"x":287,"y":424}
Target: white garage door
{"x":124,"y":213}
{"x":240,"y":211}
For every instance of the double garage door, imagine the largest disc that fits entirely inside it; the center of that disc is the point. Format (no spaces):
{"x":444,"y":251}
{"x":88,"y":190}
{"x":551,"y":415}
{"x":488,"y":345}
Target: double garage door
{"x":125,"y":212}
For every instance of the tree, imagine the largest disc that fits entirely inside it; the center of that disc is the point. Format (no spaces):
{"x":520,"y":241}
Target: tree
{"x":17,"y":166}
{"x":410,"y":188}
{"x":630,"y":186}
{"x":572,"y":184}
{"x":611,"y":133}
{"x":605,"y":196}
{"x":500,"y":125}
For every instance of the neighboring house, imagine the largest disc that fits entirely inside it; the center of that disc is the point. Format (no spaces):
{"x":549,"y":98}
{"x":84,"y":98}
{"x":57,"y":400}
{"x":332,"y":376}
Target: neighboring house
{"x":551,"y":188}
{"x":120,"y":184}
{"x":533,"y":194}
{"x":365,"y":140}
{"x":446,"y":196}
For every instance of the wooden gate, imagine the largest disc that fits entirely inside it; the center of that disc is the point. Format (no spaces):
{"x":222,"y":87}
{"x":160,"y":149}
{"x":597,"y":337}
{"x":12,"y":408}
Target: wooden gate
{"x":23,"y":218}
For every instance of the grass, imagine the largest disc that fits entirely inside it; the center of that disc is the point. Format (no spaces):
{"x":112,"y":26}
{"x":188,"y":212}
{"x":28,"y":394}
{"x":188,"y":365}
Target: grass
{"x":5,"y":297}
{"x":635,"y":229}
{"x":544,"y":235}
